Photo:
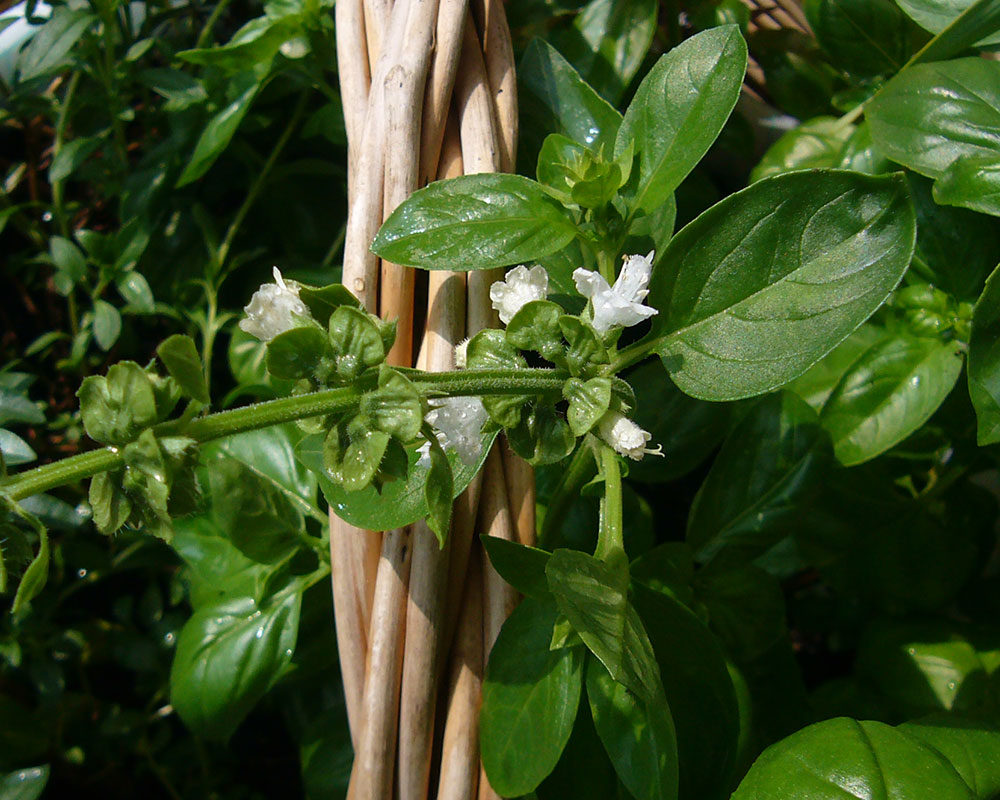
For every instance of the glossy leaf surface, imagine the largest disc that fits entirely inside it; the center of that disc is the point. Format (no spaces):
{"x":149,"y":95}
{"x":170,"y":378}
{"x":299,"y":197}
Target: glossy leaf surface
{"x":530,"y":699}
{"x":765,"y":283}
{"x":888,"y":393}
{"x":475,"y":222}
{"x":679,"y":110}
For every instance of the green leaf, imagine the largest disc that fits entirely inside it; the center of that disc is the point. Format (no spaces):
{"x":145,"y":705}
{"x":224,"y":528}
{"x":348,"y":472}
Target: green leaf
{"x":261,"y":520}
{"x":972,"y":747}
{"x":865,"y":37}
{"x":15,"y":451}
{"x":475,"y":222}
{"x":553,"y":98}
{"x":699,"y":692}
{"x":179,"y":355}
{"x":71,"y":155}
{"x":817,"y":383}
{"x":592,"y":595}
{"x":324,"y":300}
{"x":816,"y":143}
{"x":35,"y":576}
{"x":219,"y":131}
{"x":559,"y":163}
{"x":49,"y":48}
{"x":24,"y":784}
{"x":588,"y":402}
{"x":400,"y":502}
{"x":117,"y":407}
{"x":542,"y":437}
{"x":15,"y":406}
{"x":971,"y":183}
{"x":637,"y":734}
{"x":740,"y":511}
{"x":608,"y":42}
{"x":490,"y":349}
{"x":352,"y":459}
{"x":679,"y":110}
{"x":924,"y":666}
{"x":585,"y":352}
{"x":930,"y":115}
{"x":535,"y":326}
{"x":178,"y":88}
{"x":937,"y":15}
{"x":68,"y":258}
{"x":298,"y":353}
{"x":688,"y":430}
{"x":395,"y":406}
{"x":530,"y":699}
{"x":888,"y":393}
{"x":984,"y":362}
{"x":438,"y":492}
{"x":111,"y":506}
{"x":229,"y":655}
{"x":135,"y":290}
{"x":356,"y":341}
{"x":255,"y":43}
{"x":521,"y":566}
{"x":825,"y":760}
{"x":765,"y":283}
{"x":107,"y":324}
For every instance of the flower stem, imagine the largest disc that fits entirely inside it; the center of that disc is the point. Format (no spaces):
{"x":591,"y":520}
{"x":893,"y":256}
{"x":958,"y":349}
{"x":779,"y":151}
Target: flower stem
{"x":287,"y":409}
{"x":610,"y":540}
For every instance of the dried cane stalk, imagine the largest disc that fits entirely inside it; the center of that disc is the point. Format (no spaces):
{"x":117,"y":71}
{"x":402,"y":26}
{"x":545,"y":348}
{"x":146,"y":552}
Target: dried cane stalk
{"x":441,"y":84}
{"x":354,"y":74}
{"x":426,"y":612}
{"x":375,"y":757}
{"x":459,"y":776}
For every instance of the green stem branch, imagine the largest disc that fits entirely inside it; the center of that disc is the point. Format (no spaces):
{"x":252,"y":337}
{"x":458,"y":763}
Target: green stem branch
{"x":610,"y":540}
{"x":287,"y":409}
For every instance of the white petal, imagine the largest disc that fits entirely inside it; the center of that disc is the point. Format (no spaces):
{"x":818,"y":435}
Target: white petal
{"x":625,"y":436}
{"x":519,"y":287}
{"x":589,"y":283}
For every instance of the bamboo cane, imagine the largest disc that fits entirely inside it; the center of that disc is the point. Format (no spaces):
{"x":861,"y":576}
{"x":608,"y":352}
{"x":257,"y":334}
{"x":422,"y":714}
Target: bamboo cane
{"x":459,"y":775}
{"x":426,"y":611}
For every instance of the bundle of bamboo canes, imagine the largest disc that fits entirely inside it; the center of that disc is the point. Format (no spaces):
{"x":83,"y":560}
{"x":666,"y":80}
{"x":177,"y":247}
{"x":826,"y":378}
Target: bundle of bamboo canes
{"x":429,"y":92}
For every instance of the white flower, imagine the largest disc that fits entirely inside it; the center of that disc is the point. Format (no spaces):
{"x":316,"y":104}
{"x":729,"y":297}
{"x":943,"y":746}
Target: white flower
{"x":521,"y":286}
{"x":462,"y":354}
{"x":620,"y":304}
{"x":625,"y":436}
{"x":271,"y":309}
{"x":459,"y":424}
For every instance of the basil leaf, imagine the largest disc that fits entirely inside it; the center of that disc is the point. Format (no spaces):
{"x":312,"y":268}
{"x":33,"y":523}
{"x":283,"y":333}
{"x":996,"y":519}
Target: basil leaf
{"x":530,"y":699}
{"x":765,"y":283}
{"x":888,"y":393}
{"x":229,"y":655}
{"x":475,"y":222}
{"x":984,"y":361}
{"x":679,"y":110}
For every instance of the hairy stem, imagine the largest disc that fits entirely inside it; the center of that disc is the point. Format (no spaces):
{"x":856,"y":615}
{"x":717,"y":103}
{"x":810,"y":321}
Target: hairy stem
{"x":287,"y":409}
{"x":610,"y":541}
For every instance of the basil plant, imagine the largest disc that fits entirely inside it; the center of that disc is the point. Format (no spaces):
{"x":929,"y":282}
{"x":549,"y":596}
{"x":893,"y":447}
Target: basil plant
{"x":741,"y":301}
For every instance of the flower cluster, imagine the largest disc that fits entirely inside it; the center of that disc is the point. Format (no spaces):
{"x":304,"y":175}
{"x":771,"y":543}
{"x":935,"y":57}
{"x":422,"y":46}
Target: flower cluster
{"x":619,"y":306}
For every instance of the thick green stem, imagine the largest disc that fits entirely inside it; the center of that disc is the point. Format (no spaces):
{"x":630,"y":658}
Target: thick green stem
{"x":580,"y":470}
{"x":287,"y":409}
{"x":610,"y":541}
{"x":632,"y":354}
